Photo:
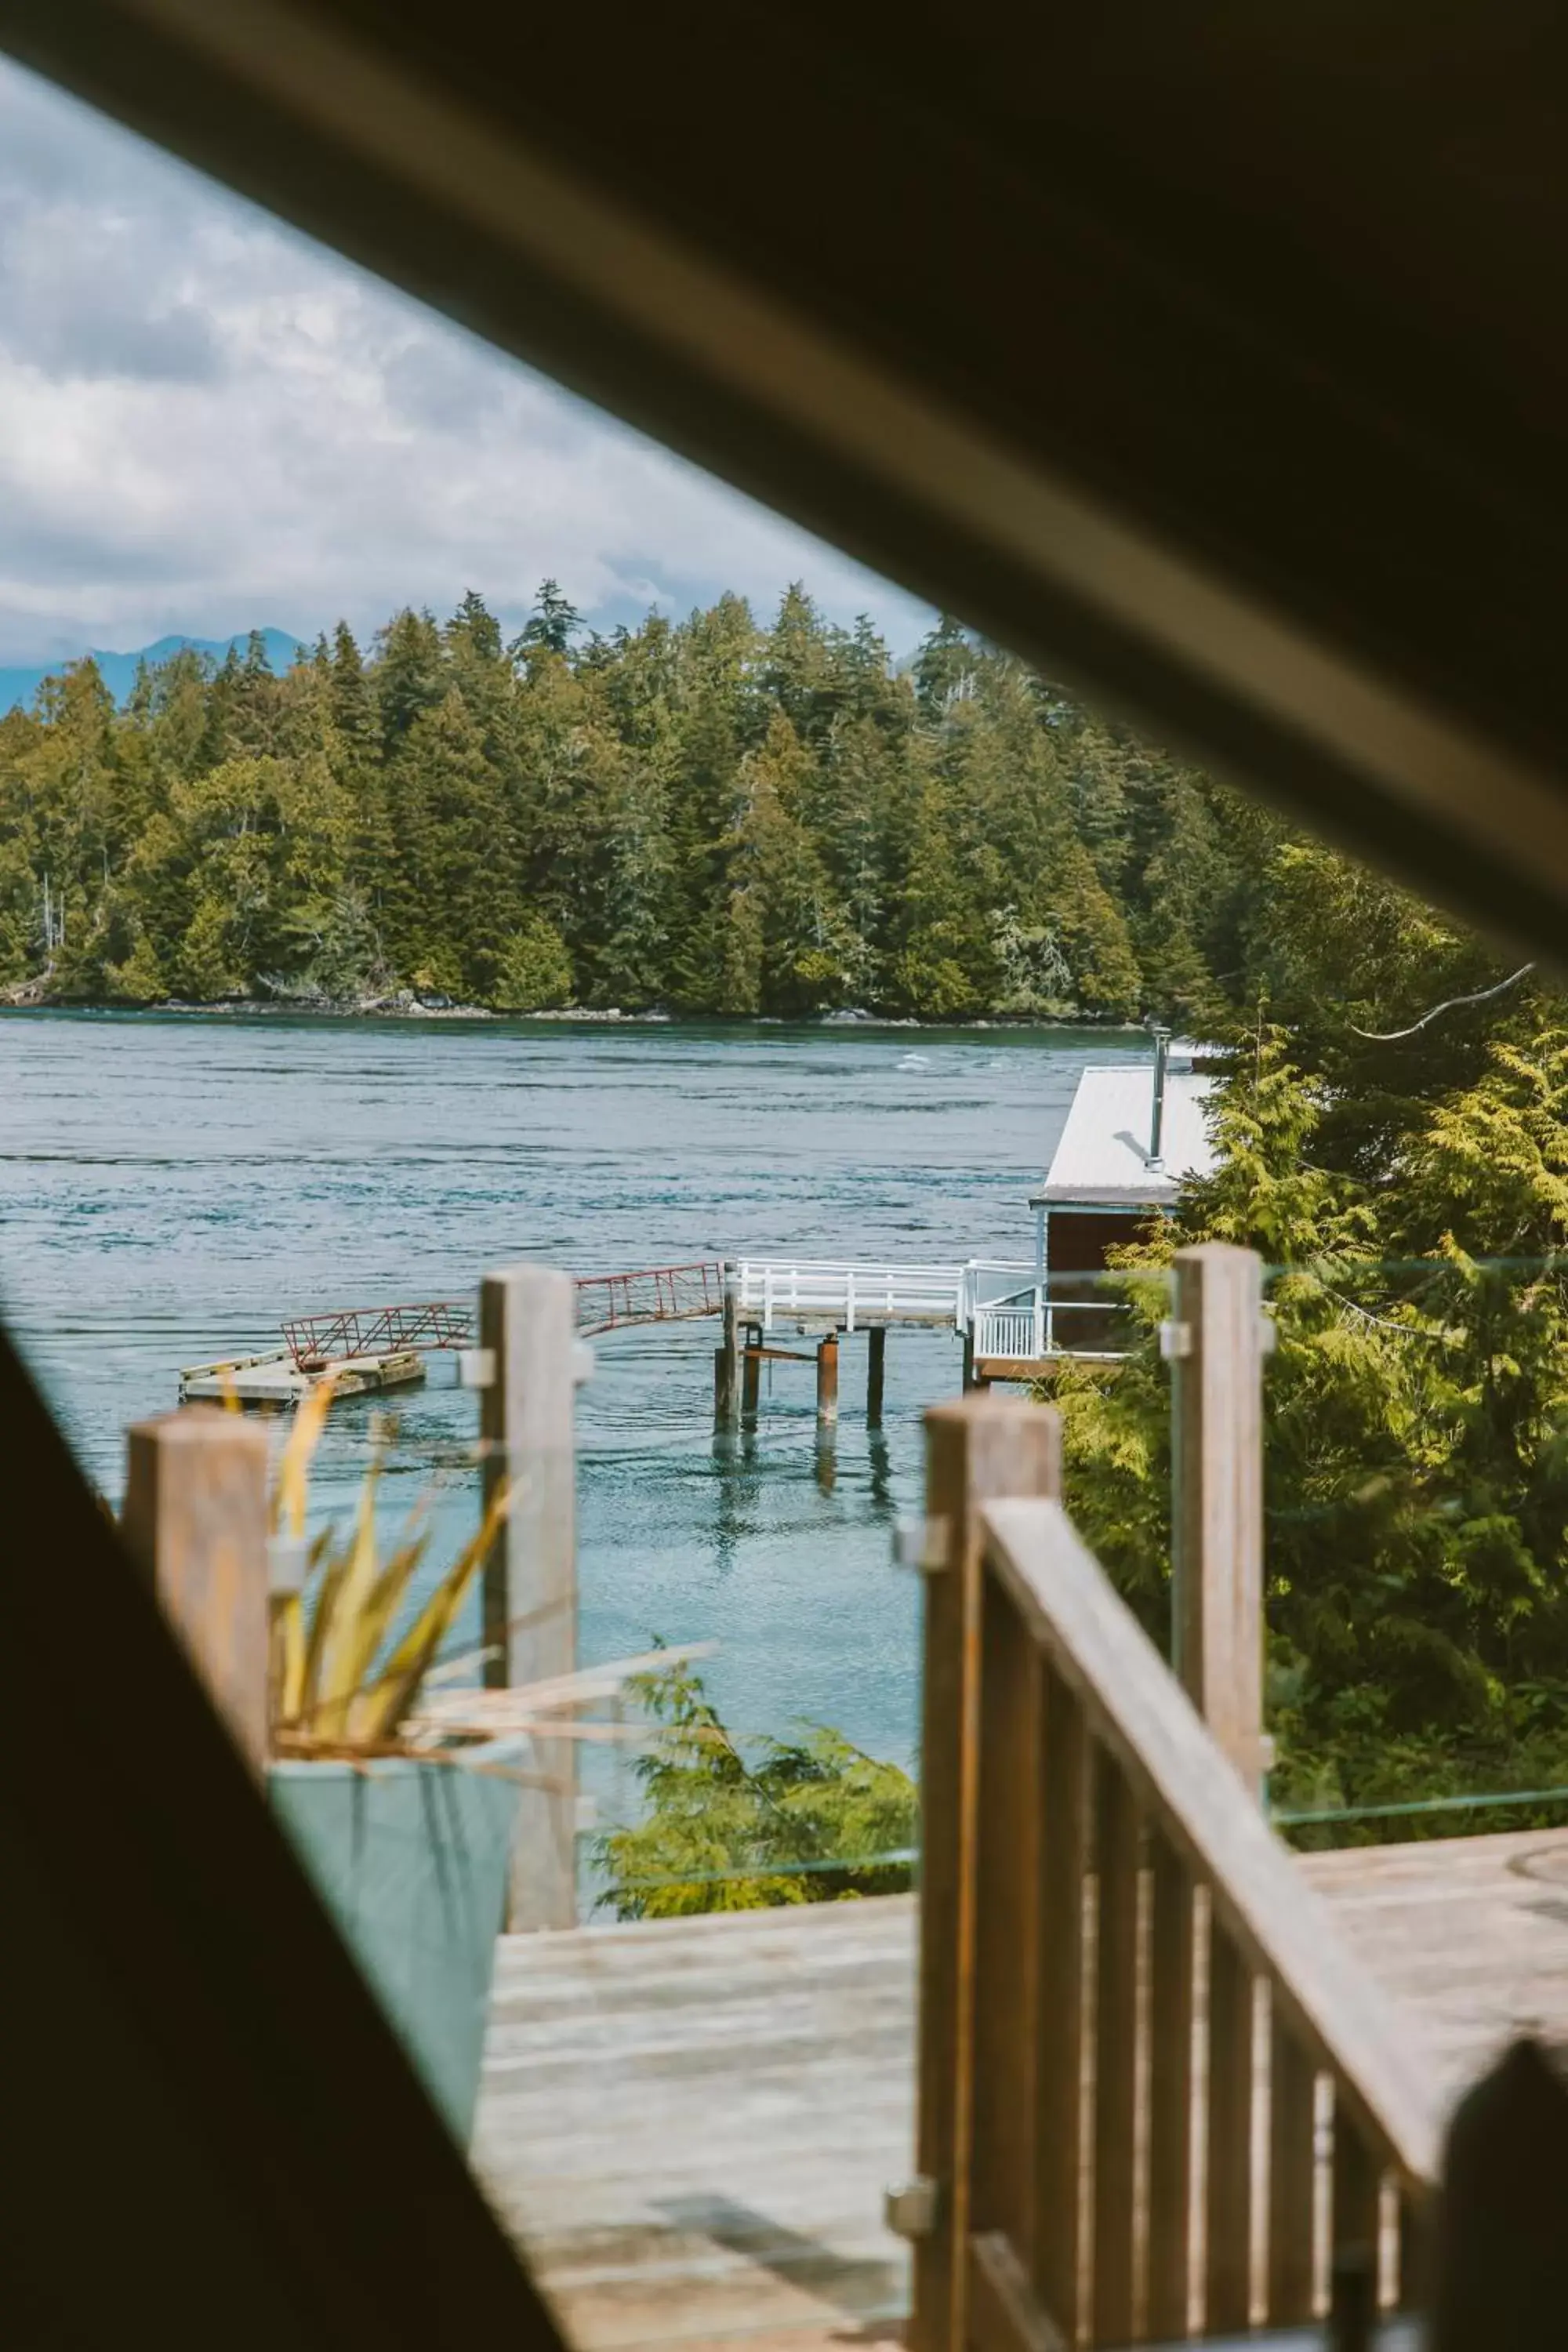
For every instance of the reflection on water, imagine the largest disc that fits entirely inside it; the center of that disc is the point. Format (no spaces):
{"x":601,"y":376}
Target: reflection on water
{"x":172,"y":1186}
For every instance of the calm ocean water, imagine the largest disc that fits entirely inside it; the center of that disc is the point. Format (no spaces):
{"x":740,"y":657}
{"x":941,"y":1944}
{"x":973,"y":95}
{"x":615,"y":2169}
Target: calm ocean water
{"x":170,"y":1186}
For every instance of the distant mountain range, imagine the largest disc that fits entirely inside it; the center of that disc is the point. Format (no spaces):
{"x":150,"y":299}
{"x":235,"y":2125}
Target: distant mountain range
{"x":17,"y":686}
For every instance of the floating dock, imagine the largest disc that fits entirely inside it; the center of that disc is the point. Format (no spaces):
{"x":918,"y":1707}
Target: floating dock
{"x":1005,"y":1323}
{"x":278,"y":1378}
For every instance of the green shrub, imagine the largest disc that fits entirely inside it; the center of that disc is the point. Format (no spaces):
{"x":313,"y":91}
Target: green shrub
{"x":734,"y":1826}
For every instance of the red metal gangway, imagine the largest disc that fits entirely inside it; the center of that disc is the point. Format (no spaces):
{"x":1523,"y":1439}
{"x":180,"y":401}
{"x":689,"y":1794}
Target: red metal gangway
{"x":379,"y":1330}
{"x":655,"y":1294}
{"x":606,"y":1302}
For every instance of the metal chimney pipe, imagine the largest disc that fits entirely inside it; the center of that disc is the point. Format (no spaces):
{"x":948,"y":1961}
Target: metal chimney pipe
{"x":1157,"y":1123}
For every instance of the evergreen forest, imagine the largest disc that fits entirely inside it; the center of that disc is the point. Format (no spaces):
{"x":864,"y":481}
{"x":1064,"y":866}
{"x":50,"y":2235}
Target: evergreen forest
{"x":709,"y":817}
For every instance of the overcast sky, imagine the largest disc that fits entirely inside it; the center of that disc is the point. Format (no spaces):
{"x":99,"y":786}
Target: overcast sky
{"x":208,"y":424}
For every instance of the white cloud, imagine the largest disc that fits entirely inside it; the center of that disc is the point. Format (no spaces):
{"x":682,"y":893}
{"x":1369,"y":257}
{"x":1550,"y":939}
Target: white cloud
{"x":207,"y":423}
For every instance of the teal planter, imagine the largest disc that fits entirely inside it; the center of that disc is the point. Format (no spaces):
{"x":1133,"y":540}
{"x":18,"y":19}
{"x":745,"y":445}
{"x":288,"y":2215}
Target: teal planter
{"x":411,"y":1860}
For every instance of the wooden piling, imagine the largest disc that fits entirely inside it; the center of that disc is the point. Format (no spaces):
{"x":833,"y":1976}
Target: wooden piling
{"x":828,"y":1378}
{"x":195,"y":1519}
{"x":727,"y":1360}
{"x":527,"y":1326}
{"x":876,"y":1368}
{"x":752,"y":1373}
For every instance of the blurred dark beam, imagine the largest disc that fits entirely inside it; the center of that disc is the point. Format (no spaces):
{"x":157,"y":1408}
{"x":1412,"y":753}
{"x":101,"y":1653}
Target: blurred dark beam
{"x":1210,"y":357}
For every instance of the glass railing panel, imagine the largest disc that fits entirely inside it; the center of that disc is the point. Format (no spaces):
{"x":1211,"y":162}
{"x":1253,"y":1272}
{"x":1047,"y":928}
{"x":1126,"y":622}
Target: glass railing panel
{"x":769,"y":1543}
{"x":1416,"y":1454}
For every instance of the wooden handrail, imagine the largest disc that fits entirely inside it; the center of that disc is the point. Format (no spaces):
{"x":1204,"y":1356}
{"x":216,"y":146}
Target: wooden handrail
{"x":1157,"y":2095}
{"x":1138,"y":1711}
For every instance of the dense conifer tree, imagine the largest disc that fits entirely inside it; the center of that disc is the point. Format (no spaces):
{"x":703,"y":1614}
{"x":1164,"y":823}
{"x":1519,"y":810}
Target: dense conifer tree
{"x":708,"y":815}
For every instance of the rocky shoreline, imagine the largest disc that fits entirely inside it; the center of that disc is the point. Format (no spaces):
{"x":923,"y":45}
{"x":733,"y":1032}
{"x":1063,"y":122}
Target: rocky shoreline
{"x":33,"y":995}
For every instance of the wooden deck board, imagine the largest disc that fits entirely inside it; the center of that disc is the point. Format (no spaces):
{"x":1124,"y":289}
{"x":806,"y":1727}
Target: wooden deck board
{"x":690,"y":2122}
{"x":1469,"y":1934}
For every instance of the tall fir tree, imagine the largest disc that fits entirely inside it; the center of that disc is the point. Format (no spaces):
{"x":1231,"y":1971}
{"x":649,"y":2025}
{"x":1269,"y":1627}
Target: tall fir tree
{"x":705,"y":814}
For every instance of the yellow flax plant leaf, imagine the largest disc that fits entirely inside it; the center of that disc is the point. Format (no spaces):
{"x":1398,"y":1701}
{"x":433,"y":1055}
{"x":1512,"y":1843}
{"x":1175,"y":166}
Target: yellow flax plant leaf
{"x":285,"y":1658}
{"x":385,"y":1596}
{"x":342,"y":1644}
{"x":291,"y":1487}
{"x":335,"y":1560}
{"x":288,"y":1663}
{"x":287,"y":1508}
{"x":373,"y":1621}
{"x":381,"y":1706}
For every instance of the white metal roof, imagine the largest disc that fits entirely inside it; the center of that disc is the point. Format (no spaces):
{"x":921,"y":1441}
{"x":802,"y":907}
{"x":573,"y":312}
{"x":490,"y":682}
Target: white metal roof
{"x":1102,"y":1158}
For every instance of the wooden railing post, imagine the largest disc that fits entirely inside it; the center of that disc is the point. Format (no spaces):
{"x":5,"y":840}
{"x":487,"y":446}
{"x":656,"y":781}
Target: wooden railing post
{"x":1172,"y":1996}
{"x":977,"y":1450}
{"x":1216,"y":1341}
{"x":195,"y":1519}
{"x":1232,"y":2089}
{"x":1113,"y":2250}
{"x":1292,"y":2177}
{"x":527,"y":1343}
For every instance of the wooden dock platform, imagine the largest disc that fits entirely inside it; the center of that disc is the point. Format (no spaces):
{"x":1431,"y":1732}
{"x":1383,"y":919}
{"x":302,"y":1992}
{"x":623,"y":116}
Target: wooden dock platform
{"x":690,"y":2123}
{"x":277,"y":1378}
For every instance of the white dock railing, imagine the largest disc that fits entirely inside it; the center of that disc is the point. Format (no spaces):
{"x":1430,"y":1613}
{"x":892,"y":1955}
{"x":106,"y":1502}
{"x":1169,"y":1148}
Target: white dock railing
{"x":1004,"y":1318}
{"x":1016,"y":1331}
{"x":825,"y":1289}
{"x":1029,"y":1324}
